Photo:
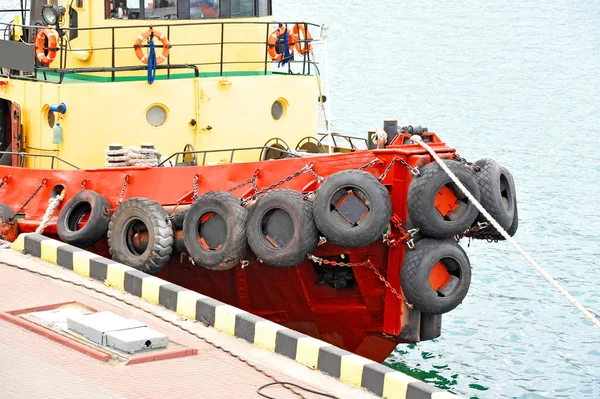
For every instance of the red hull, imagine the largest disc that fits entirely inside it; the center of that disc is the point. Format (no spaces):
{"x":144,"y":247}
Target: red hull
{"x":365,"y":318}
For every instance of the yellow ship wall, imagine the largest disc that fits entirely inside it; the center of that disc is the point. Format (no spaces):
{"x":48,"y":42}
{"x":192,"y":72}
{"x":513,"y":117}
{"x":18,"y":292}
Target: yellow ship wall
{"x":229,"y":112}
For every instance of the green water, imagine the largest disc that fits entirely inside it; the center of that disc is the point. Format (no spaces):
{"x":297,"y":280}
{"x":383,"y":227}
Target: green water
{"x":518,"y":81}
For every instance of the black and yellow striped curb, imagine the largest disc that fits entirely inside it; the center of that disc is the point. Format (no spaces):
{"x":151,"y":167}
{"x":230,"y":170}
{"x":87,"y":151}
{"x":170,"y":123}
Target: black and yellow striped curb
{"x":311,"y":352}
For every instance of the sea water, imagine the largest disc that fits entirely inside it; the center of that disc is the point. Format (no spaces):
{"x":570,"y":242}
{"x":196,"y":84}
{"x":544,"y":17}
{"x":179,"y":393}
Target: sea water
{"x":517,"y":81}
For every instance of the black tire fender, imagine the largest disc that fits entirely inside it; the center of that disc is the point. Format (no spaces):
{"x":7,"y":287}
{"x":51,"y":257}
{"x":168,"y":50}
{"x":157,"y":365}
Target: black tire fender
{"x":9,"y":229}
{"x":280,"y":229}
{"x":141,"y":215}
{"x":214,"y":231}
{"x":86,"y":202}
{"x":497,"y":190}
{"x":422,"y":194}
{"x":490,"y":232}
{"x":368,"y":195}
{"x":417,"y":269}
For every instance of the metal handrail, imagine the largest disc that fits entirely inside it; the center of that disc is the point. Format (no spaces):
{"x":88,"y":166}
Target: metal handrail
{"x":348,"y":138}
{"x":171,"y":25}
{"x":23,"y":155}
{"x":65,"y":46}
{"x":232,"y":150}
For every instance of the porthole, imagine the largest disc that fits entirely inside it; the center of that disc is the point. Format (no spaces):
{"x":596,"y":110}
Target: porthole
{"x":278,"y":109}
{"x":50,"y":117}
{"x":156,"y":115}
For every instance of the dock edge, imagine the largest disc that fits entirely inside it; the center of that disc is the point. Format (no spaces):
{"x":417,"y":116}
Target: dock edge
{"x":308,"y":351}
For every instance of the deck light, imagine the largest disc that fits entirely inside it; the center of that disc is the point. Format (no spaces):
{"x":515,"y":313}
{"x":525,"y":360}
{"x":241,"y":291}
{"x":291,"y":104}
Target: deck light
{"x":51,"y":14}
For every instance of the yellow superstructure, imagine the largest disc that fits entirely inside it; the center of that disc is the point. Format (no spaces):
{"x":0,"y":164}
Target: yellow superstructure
{"x":217,"y":90}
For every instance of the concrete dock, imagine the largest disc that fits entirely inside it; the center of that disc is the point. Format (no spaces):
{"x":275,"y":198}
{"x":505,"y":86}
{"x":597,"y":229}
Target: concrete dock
{"x":214,"y":364}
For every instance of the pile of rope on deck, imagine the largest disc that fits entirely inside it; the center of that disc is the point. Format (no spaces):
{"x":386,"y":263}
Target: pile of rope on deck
{"x":119,"y":157}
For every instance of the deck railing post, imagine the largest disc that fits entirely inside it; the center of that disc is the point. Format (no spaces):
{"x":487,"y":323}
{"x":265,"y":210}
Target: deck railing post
{"x":222,"y":46}
{"x":168,"y":58}
{"x":266,"y":47}
{"x":112,"y":73}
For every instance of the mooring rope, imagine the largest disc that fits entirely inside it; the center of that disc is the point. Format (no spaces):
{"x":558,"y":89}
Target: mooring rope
{"x":533,"y":263}
{"x":52,"y":205}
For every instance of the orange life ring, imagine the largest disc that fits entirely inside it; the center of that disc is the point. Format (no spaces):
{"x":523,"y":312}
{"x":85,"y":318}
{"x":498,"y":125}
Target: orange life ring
{"x":154,"y":33}
{"x":302,"y":45}
{"x":40,"y":46}
{"x":275,"y":56}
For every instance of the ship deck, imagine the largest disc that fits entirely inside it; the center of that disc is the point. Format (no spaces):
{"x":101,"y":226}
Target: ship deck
{"x":35,"y":366}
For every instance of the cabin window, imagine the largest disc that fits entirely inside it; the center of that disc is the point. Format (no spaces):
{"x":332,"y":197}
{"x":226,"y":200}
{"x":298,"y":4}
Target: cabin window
{"x":160,"y":9}
{"x":263,"y":8}
{"x":242,"y":8}
{"x":141,"y":9}
{"x":186,"y":9}
{"x":204,"y":9}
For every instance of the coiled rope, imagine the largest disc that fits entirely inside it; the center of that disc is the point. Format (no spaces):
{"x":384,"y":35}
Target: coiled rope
{"x":533,"y":263}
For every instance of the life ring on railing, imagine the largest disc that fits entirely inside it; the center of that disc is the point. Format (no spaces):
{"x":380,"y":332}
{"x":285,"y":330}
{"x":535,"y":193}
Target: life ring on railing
{"x":40,"y":46}
{"x":352,"y":208}
{"x":280,"y":229}
{"x":435,"y":276}
{"x":86,"y":203}
{"x":303,"y":45}
{"x":214,"y":231}
{"x":275,"y":56}
{"x":160,"y":36}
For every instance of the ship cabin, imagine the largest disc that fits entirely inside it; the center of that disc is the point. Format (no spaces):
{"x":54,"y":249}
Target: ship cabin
{"x":203,"y":81}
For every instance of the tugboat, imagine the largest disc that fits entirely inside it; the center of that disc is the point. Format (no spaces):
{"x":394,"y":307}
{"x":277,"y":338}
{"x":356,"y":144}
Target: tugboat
{"x":181,"y":138}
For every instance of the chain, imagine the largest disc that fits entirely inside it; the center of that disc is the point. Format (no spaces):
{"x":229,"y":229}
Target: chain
{"x":310,"y":170}
{"x":279,"y":183}
{"x":125,"y":182}
{"x":37,"y":190}
{"x":413,"y":170}
{"x":368,"y":264}
{"x":2,"y":184}
{"x":195,"y":185}
{"x":252,"y":181}
{"x":386,"y":171}
{"x":83,"y":184}
{"x":458,"y":158}
{"x":368,"y":164}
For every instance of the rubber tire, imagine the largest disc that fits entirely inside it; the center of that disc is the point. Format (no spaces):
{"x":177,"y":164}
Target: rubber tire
{"x":8,"y":231}
{"x":417,"y":266}
{"x":421,"y":196}
{"x":234,"y":248}
{"x":160,"y":235}
{"x":490,"y":233}
{"x":305,"y":237}
{"x":489,"y":177}
{"x":336,"y":229}
{"x":97,"y":225}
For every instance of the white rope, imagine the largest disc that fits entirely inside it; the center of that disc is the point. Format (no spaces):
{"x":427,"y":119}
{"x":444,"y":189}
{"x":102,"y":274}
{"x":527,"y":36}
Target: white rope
{"x":132,"y":156}
{"x":533,"y":263}
{"x":380,"y":137}
{"x":52,"y":205}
